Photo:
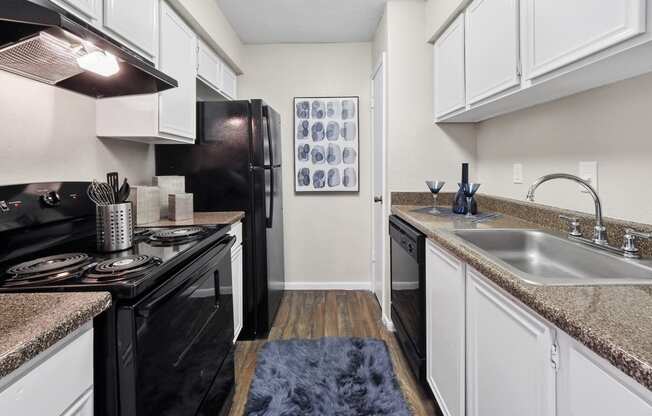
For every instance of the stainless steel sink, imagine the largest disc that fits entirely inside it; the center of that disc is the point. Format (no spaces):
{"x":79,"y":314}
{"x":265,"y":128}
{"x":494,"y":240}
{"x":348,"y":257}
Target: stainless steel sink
{"x":542,"y":258}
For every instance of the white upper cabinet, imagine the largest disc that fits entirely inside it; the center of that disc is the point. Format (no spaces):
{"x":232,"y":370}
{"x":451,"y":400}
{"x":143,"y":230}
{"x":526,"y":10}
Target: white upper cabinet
{"x":134,"y":23}
{"x":445,"y":323}
{"x":559,"y":32}
{"x":229,"y":82}
{"x":166,"y":117}
{"x":509,"y":367}
{"x":492,"y":48}
{"x":590,"y":386}
{"x":520,"y":53}
{"x":209,"y":66}
{"x":88,"y":10}
{"x":449,"y":69}
{"x":178,"y":60}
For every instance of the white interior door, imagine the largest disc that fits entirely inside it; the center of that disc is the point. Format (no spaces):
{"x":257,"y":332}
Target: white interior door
{"x":379,"y":220}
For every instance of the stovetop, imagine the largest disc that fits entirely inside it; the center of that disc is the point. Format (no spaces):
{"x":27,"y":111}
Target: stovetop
{"x":75,"y":265}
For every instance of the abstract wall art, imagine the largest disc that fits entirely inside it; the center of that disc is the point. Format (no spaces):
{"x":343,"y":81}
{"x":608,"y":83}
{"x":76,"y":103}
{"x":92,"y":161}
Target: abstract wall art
{"x":326,"y":144}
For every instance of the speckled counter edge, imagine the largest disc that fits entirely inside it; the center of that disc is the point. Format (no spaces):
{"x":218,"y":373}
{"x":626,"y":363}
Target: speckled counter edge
{"x":626,"y":362}
{"x":25,"y":351}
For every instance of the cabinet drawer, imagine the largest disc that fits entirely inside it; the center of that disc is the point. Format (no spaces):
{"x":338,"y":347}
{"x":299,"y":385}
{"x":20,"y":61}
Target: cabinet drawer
{"x":55,"y":384}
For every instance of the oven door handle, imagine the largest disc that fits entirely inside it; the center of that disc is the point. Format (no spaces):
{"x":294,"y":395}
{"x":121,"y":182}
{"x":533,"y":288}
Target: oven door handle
{"x":148,"y":308}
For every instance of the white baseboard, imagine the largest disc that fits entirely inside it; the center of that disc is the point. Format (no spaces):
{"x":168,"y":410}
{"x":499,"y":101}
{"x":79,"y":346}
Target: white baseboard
{"x":388,"y":324}
{"x":405,"y":285}
{"x":362,"y":285}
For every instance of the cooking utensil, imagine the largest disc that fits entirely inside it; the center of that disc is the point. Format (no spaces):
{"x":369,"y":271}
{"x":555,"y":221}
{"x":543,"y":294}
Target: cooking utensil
{"x":100,"y":193}
{"x":112,"y":180}
{"x":124,"y":191}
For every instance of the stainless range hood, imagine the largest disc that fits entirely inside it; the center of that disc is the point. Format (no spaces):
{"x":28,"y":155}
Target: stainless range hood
{"x":41,"y":41}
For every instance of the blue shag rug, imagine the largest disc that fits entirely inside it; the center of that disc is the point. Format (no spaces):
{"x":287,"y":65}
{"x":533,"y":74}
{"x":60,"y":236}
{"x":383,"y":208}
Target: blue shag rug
{"x":327,"y":376}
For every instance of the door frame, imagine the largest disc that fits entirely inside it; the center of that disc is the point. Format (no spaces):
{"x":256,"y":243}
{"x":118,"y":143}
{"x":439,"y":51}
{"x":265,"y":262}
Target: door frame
{"x":384,"y":296}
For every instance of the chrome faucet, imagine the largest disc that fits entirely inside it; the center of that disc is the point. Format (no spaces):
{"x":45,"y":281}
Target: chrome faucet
{"x":599,"y":230}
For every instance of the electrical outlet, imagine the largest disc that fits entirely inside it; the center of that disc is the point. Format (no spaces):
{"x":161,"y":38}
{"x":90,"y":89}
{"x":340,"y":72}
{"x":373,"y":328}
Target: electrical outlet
{"x":589,"y":172}
{"x":518,"y":173}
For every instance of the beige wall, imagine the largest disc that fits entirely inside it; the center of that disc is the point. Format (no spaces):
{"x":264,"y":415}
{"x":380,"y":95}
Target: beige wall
{"x":327,"y":236}
{"x":417,"y":148}
{"x":610,"y":125}
{"x":379,"y":43}
{"x":48,"y":134}
{"x":439,"y":13}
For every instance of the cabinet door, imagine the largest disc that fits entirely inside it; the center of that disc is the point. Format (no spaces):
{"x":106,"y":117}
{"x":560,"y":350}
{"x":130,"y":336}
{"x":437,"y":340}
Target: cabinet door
{"x":509,"y":371}
{"x":588,"y":385}
{"x":209,"y":66}
{"x":88,"y":10}
{"x":559,"y":32}
{"x":448,"y":69}
{"x":178,"y":57}
{"x":133,"y":22}
{"x":82,"y":407}
{"x":237,"y":275}
{"x":445,"y":311}
{"x":491,"y":48}
{"x":229,"y":82}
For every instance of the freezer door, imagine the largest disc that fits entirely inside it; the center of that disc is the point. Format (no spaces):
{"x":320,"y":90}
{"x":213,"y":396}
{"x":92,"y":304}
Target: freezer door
{"x":272,"y":133}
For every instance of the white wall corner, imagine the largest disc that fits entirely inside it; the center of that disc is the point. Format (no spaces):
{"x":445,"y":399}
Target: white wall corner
{"x":388,"y":323}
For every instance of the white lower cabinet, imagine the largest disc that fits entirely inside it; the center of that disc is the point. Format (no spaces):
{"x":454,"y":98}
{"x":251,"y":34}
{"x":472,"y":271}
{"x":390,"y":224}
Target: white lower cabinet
{"x":515,"y":362}
{"x":237,"y":275}
{"x":588,"y":385}
{"x":57,"y":382}
{"x":445,"y":312}
{"x":509,"y":370}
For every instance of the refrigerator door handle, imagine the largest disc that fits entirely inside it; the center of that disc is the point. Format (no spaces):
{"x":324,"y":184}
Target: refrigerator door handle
{"x":269,"y":135}
{"x":269,"y":220}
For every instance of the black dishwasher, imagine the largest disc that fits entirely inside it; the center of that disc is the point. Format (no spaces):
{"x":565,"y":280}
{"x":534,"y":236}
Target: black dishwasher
{"x":408,"y":274}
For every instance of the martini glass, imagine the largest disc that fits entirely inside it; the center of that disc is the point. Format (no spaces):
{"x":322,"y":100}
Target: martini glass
{"x":469,"y":190}
{"x":435,"y":187}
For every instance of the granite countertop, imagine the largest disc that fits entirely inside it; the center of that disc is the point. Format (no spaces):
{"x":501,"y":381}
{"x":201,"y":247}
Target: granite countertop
{"x":202,"y":218}
{"x":613,"y":321}
{"x":32,"y":322}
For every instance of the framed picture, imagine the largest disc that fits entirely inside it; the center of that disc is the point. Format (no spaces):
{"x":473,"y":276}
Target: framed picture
{"x":326,"y":144}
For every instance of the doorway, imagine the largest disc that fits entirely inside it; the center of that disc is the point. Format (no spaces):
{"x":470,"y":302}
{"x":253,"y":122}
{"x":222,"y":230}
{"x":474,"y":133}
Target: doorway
{"x":379,"y":201}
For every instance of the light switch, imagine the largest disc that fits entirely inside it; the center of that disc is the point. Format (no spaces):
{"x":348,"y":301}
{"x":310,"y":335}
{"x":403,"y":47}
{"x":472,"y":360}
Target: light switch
{"x":518,"y":173}
{"x":589,"y":172}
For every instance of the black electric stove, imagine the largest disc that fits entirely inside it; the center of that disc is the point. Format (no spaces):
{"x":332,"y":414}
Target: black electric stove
{"x":165,"y":346}
{"x":75,"y":264}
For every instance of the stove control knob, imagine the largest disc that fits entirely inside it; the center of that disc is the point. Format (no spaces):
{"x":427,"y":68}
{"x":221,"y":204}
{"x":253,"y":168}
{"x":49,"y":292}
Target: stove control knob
{"x":51,"y":199}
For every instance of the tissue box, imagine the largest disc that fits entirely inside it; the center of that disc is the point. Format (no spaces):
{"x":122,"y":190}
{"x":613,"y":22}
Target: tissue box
{"x":180,"y":207}
{"x":168,"y":185}
{"x":146,"y":204}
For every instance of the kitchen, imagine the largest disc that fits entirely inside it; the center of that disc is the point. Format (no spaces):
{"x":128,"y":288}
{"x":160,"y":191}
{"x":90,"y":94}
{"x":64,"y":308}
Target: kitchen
{"x":514,"y":312}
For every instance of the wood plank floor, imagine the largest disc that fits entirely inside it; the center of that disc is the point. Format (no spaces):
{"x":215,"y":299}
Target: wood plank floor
{"x":314,"y":314}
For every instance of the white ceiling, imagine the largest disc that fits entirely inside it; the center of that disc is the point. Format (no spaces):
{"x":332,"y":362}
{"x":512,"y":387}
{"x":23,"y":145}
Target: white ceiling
{"x":303,"y":21}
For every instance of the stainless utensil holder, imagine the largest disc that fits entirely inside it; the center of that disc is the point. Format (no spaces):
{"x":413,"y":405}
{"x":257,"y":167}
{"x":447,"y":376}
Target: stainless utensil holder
{"x":115,"y":227}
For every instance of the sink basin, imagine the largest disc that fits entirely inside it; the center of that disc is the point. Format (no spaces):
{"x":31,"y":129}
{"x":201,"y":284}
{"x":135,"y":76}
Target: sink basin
{"x":542,"y":258}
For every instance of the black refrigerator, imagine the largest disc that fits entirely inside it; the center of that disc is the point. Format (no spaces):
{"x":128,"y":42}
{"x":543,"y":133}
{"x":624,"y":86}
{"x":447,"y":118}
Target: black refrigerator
{"x":235,"y":165}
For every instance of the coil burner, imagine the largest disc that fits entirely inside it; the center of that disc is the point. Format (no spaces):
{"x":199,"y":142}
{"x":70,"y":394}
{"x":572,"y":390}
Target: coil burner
{"x":174,"y":236}
{"x":47,"y":269}
{"x":121,"y":268}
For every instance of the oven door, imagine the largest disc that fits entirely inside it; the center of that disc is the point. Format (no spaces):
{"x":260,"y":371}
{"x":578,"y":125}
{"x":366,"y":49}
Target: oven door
{"x":183,"y":333}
